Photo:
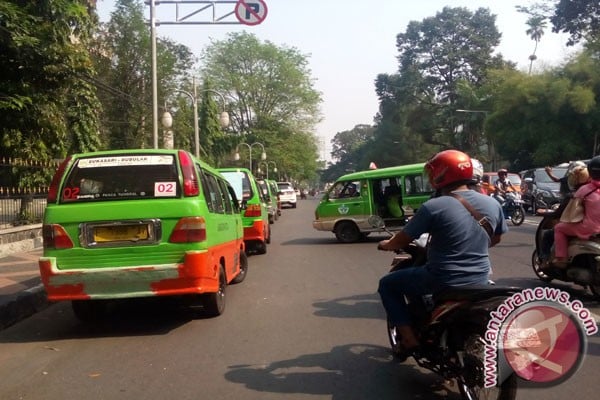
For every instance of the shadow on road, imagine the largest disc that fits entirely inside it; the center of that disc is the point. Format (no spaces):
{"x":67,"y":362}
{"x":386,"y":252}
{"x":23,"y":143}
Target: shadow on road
{"x":359,"y":306}
{"x":352,"y":371}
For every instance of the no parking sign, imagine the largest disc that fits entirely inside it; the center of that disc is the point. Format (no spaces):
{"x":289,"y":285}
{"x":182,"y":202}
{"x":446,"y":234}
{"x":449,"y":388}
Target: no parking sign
{"x":251,"y":12}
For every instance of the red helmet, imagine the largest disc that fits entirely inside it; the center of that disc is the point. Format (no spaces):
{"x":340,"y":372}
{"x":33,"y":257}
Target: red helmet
{"x":447,"y":167}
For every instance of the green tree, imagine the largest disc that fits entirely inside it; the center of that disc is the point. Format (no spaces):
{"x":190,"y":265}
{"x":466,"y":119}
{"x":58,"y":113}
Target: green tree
{"x":123,"y":59}
{"x":270,"y":97}
{"x":48,"y":106}
{"x":536,"y":25}
{"x":579,"y":18}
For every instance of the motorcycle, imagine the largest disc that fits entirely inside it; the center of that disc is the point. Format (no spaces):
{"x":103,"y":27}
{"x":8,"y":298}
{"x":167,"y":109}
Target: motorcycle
{"x":451,"y":326}
{"x":584,"y":257}
{"x":513,"y":207}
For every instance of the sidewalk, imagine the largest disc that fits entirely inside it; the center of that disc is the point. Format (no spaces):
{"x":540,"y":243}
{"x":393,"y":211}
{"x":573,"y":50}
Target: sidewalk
{"x":21,"y":290}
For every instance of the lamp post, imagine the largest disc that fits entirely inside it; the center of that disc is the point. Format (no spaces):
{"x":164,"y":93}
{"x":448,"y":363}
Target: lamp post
{"x":223,"y":117}
{"x":491,"y":149}
{"x":266,"y":164}
{"x":263,"y":155}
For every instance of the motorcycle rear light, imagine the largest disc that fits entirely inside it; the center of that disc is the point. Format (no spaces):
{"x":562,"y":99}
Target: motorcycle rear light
{"x":189,"y":230}
{"x":190,"y":179}
{"x":253,"y":210}
{"x":55,"y":237}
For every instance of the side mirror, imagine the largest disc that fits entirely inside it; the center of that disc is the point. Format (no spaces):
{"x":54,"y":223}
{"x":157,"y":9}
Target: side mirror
{"x":244,"y":204}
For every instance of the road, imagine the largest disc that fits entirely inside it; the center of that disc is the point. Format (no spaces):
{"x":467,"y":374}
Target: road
{"x":305,"y":324}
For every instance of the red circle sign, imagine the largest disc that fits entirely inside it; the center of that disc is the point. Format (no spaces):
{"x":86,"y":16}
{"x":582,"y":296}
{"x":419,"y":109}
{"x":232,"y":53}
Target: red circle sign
{"x":251,"y":12}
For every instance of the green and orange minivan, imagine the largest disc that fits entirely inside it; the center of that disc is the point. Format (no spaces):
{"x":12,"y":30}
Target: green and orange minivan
{"x":140,"y":223}
{"x":254,"y":208}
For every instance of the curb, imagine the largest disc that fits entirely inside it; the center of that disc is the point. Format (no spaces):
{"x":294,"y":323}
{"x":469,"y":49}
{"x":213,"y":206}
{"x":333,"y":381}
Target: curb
{"x":26,"y":304}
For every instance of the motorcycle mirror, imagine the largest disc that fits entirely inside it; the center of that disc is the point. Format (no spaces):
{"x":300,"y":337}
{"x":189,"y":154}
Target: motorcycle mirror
{"x":376,"y":221}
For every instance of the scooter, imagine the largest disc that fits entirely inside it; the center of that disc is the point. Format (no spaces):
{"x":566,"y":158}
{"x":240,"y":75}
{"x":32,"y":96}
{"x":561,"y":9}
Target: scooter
{"x":451,"y":327}
{"x":584,"y":257}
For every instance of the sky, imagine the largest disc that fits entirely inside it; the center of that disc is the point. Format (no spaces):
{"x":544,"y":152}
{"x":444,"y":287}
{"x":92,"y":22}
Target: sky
{"x":349,"y":42}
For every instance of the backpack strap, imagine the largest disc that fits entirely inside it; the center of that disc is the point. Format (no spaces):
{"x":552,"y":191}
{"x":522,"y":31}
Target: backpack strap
{"x":481,"y":220}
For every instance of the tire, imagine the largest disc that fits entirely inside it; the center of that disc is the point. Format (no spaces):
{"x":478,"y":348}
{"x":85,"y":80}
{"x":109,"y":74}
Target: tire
{"x":518,"y":216}
{"x":294,"y":205}
{"x":471,"y":383}
{"x":536,"y":264}
{"x":214,"y":303}
{"x":268,"y":235}
{"x":89,"y":310}
{"x":538,"y":202}
{"x":243,"y":269}
{"x":347,"y":232}
{"x":260,"y":247}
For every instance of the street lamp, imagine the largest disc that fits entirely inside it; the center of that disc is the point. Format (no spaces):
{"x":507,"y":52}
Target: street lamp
{"x":266,"y":164}
{"x":491,"y":149}
{"x":263,"y":155}
{"x":223,"y":117}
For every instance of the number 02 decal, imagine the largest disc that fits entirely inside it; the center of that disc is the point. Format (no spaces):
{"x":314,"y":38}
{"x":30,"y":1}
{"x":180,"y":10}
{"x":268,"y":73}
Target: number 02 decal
{"x":165,"y":189}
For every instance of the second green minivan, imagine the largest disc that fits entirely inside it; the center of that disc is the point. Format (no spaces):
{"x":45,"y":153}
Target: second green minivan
{"x":255,"y":214}
{"x":393,"y":193}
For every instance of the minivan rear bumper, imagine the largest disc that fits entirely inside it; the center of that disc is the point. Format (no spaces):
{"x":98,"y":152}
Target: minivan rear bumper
{"x":193,"y":276}
{"x":256,"y":231}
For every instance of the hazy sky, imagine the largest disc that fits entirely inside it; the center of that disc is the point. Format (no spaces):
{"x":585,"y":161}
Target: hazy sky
{"x":349,"y":42}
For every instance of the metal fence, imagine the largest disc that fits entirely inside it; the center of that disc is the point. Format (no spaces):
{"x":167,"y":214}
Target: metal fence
{"x":21,"y":204}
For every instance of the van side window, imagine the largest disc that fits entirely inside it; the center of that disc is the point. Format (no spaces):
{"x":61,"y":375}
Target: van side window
{"x":345,"y":190}
{"x":212,"y":193}
{"x":417,"y":184}
{"x":235,"y":203}
{"x":226,"y":197}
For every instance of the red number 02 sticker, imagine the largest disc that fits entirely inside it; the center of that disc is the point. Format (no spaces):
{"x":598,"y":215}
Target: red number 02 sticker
{"x":165,"y":189}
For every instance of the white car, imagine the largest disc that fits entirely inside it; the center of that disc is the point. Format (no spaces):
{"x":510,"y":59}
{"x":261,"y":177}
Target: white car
{"x":288,"y":194}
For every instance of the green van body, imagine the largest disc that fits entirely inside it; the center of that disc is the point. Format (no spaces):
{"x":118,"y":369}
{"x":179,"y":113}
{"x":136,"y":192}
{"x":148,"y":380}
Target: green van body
{"x":394,"y":193}
{"x":140,"y":223}
{"x":254,"y":210}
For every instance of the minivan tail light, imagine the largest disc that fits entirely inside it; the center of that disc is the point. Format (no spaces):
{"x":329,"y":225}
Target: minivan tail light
{"x":55,"y":237}
{"x":190,"y":179}
{"x":253,"y":210}
{"x":189,"y":230}
{"x":53,"y":190}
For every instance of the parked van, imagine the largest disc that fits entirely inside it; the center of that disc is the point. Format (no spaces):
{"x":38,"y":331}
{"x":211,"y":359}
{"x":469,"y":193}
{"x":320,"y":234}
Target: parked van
{"x":393,"y":193}
{"x":271,"y":198}
{"x":140,"y":223}
{"x":254,"y":209}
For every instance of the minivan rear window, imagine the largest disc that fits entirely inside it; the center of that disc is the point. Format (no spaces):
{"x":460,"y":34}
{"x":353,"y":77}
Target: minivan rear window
{"x":122,"y":177}
{"x":240,"y":182}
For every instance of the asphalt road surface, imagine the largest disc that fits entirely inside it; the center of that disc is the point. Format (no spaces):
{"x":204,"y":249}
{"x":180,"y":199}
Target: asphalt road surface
{"x":306,"y":323}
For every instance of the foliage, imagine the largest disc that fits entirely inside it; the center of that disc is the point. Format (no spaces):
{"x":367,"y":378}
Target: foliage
{"x":579,"y":18}
{"x":49,"y":108}
{"x":270,"y":98}
{"x":548,"y":118}
{"x":123,"y":60}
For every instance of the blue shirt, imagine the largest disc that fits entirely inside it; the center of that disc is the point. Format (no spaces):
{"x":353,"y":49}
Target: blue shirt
{"x":458,"y":249}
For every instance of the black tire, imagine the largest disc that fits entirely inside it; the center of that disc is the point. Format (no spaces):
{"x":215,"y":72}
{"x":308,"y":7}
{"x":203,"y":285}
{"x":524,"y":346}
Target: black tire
{"x":260,"y":247}
{"x":536,"y":264}
{"x":214,"y":303}
{"x":471,"y":383}
{"x":243,"y":269}
{"x":518,"y":216}
{"x":538,"y":202}
{"x":294,"y":205}
{"x":347,"y":232}
{"x":268,"y":235}
{"x":89,"y":310}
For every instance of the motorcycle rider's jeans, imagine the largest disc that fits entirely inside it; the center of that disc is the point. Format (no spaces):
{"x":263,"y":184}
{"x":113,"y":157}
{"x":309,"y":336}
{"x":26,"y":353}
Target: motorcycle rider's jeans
{"x":413,"y":281}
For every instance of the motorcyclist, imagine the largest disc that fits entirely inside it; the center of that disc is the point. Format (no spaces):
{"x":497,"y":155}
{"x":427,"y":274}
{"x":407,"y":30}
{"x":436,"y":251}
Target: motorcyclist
{"x":457,"y":253}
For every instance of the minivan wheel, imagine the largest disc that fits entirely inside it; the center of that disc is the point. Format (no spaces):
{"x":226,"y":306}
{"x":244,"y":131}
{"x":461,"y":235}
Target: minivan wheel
{"x":88,"y":310}
{"x":243,"y":268}
{"x":214,"y":303}
{"x":347,"y":232}
{"x":260,"y":247}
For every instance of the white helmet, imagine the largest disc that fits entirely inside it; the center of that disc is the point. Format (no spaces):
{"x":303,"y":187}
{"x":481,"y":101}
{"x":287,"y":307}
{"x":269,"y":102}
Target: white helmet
{"x":477,"y":170}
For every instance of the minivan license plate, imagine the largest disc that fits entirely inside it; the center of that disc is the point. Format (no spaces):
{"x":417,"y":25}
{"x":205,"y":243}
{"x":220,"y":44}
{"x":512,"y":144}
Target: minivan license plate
{"x":117,"y":233}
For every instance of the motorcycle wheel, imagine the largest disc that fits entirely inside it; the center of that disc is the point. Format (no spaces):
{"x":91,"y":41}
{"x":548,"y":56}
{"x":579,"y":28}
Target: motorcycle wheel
{"x":471,"y":383}
{"x":536,"y":264}
{"x":595,"y":289}
{"x":518,"y":216}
